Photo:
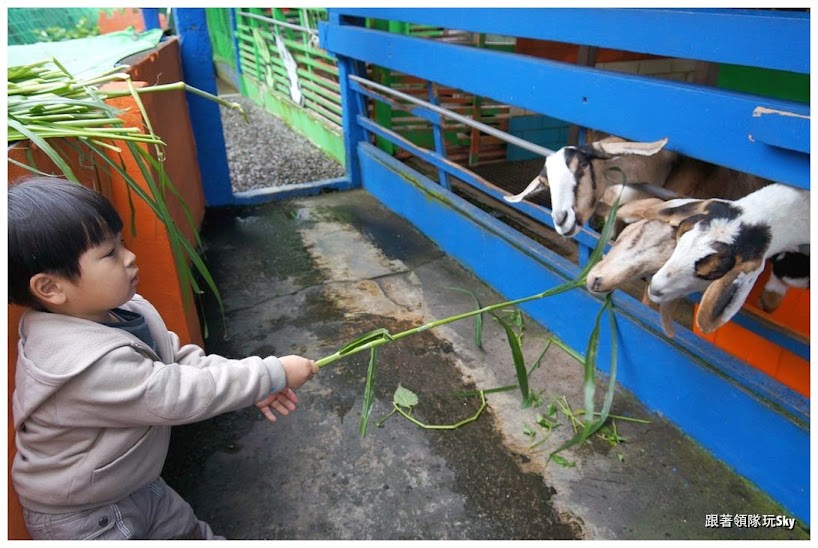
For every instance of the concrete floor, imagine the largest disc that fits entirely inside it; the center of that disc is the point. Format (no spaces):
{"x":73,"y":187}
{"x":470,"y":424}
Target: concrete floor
{"x":306,"y":276}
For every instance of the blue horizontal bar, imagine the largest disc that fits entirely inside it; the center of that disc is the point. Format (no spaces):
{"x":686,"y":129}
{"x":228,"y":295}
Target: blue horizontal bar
{"x":777,"y":128}
{"x":718,"y":412}
{"x":284,"y":192}
{"x":759,"y":38}
{"x":704,"y":123}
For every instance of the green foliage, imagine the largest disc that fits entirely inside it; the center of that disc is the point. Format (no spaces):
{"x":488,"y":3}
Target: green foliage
{"x":405,"y":397}
{"x":514,"y":337}
{"x":369,"y":392}
{"x":83,"y":28}
{"x":404,"y":401}
{"x":47,"y":105}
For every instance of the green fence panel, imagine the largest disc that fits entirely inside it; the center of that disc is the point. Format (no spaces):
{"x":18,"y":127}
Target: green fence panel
{"x":266,"y":79}
{"x":220,"y":30}
{"x":221,"y":35}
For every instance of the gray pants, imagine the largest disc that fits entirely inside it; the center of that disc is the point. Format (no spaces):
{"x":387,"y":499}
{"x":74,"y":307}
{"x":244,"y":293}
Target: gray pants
{"x":151,"y":513}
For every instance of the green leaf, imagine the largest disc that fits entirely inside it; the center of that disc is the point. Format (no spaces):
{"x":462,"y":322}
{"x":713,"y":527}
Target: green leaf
{"x":374,"y":335}
{"x":562,"y":461}
{"x":478,"y":319}
{"x":369,"y":392}
{"x":604,"y":236}
{"x":528,"y":431}
{"x":589,"y":387}
{"x":546,"y":423}
{"x":519,"y":360}
{"x":46,"y":147}
{"x":404,"y":397}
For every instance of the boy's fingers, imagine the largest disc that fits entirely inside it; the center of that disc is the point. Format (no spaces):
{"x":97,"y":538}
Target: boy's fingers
{"x":268,"y":413}
{"x":290,"y":394}
{"x":281,"y":408}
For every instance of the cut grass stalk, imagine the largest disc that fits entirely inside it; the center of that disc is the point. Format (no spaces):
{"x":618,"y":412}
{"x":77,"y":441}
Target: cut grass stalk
{"x":381,"y":336}
{"x":374,"y":339}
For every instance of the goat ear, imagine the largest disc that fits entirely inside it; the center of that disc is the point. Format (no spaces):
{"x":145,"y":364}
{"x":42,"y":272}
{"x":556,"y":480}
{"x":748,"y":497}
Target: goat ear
{"x":607,"y":149}
{"x":666,"y":311}
{"x":631,"y":212}
{"x":675,"y":211}
{"x":725,"y":296}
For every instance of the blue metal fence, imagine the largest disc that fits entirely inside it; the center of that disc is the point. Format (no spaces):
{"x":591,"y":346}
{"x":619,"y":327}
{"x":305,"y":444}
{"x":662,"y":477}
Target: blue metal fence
{"x":719,"y":401}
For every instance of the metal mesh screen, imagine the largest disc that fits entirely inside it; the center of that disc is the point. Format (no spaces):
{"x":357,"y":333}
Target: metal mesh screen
{"x":23,"y":23}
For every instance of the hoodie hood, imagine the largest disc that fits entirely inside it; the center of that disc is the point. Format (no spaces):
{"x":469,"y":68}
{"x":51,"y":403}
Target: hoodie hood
{"x":54,"y":349}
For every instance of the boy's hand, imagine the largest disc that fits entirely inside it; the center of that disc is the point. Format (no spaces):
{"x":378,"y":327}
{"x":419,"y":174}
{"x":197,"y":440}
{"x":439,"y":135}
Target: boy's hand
{"x":299,"y":370}
{"x":282,"y":401}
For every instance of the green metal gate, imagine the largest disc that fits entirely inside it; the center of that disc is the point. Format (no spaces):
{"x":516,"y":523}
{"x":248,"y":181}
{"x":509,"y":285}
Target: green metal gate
{"x":250,"y":50}
{"x":265,"y":38}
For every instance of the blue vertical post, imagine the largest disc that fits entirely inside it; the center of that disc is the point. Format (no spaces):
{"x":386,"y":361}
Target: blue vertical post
{"x":440,"y":144}
{"x":150,"y":16}
{"x":198,"y":71}
{"x":351,"y":106}
{"x":234,"y":30}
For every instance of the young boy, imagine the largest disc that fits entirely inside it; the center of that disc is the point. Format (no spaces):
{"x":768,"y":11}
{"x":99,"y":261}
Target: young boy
{"x":100,"y":379}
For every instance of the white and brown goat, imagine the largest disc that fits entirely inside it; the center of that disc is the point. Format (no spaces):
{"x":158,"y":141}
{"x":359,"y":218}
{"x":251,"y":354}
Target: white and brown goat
{"x":587,"y":178}
{"x":644,"y":246}
{"x":721,"y":247}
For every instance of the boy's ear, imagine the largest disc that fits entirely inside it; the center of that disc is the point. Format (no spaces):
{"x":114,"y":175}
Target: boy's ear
{"x":47,"y":289}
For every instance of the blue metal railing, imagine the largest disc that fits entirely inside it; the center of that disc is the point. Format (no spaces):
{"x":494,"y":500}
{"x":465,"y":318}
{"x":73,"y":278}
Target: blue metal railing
{"x":759,"y":135}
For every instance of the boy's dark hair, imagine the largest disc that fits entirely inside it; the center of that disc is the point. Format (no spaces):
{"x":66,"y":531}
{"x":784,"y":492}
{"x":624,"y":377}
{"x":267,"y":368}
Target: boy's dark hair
{"x":51,"y":223}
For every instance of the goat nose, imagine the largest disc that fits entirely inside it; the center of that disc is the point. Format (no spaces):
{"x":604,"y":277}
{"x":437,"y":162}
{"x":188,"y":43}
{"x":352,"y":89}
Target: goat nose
{"x":559,"y":217}
{"x":596,"y":283}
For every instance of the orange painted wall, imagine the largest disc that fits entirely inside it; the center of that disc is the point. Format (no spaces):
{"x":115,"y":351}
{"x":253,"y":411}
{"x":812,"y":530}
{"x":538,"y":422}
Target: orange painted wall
{"x":569,"y":53}
{"x":779,"y":363}
{"x":159,"y":280}
{"x":116,"y":19}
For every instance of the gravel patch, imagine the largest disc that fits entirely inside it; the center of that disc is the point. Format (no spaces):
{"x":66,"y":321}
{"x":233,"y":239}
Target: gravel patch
{"x":268,"y":153}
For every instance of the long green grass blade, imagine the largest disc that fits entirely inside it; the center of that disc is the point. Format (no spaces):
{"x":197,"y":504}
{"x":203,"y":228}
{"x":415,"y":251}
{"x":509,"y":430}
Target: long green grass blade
{"x":374,"y":335}
{"x":589,"y":386}
{"x":30,"y":168}
{"x":478,"y":318}
{"x":517,"y":356}
{"x":46,"y":147}
{"x":369,"y":392}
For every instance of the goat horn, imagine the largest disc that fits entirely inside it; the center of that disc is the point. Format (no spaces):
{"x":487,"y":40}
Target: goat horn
{"x":533,"y":187}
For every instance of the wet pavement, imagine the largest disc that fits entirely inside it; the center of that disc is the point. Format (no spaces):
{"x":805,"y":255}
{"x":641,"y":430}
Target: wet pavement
{"x":306,"y":276}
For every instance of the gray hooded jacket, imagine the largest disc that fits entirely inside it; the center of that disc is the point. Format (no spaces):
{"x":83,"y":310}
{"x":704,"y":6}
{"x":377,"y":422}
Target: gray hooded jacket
{"x":93,"y":405}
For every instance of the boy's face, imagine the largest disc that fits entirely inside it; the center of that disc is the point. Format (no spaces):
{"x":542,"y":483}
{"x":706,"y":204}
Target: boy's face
{"x":108,"y":279}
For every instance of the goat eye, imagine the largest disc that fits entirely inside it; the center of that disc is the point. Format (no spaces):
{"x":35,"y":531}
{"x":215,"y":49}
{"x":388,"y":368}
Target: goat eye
{"x":715,"y":265}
